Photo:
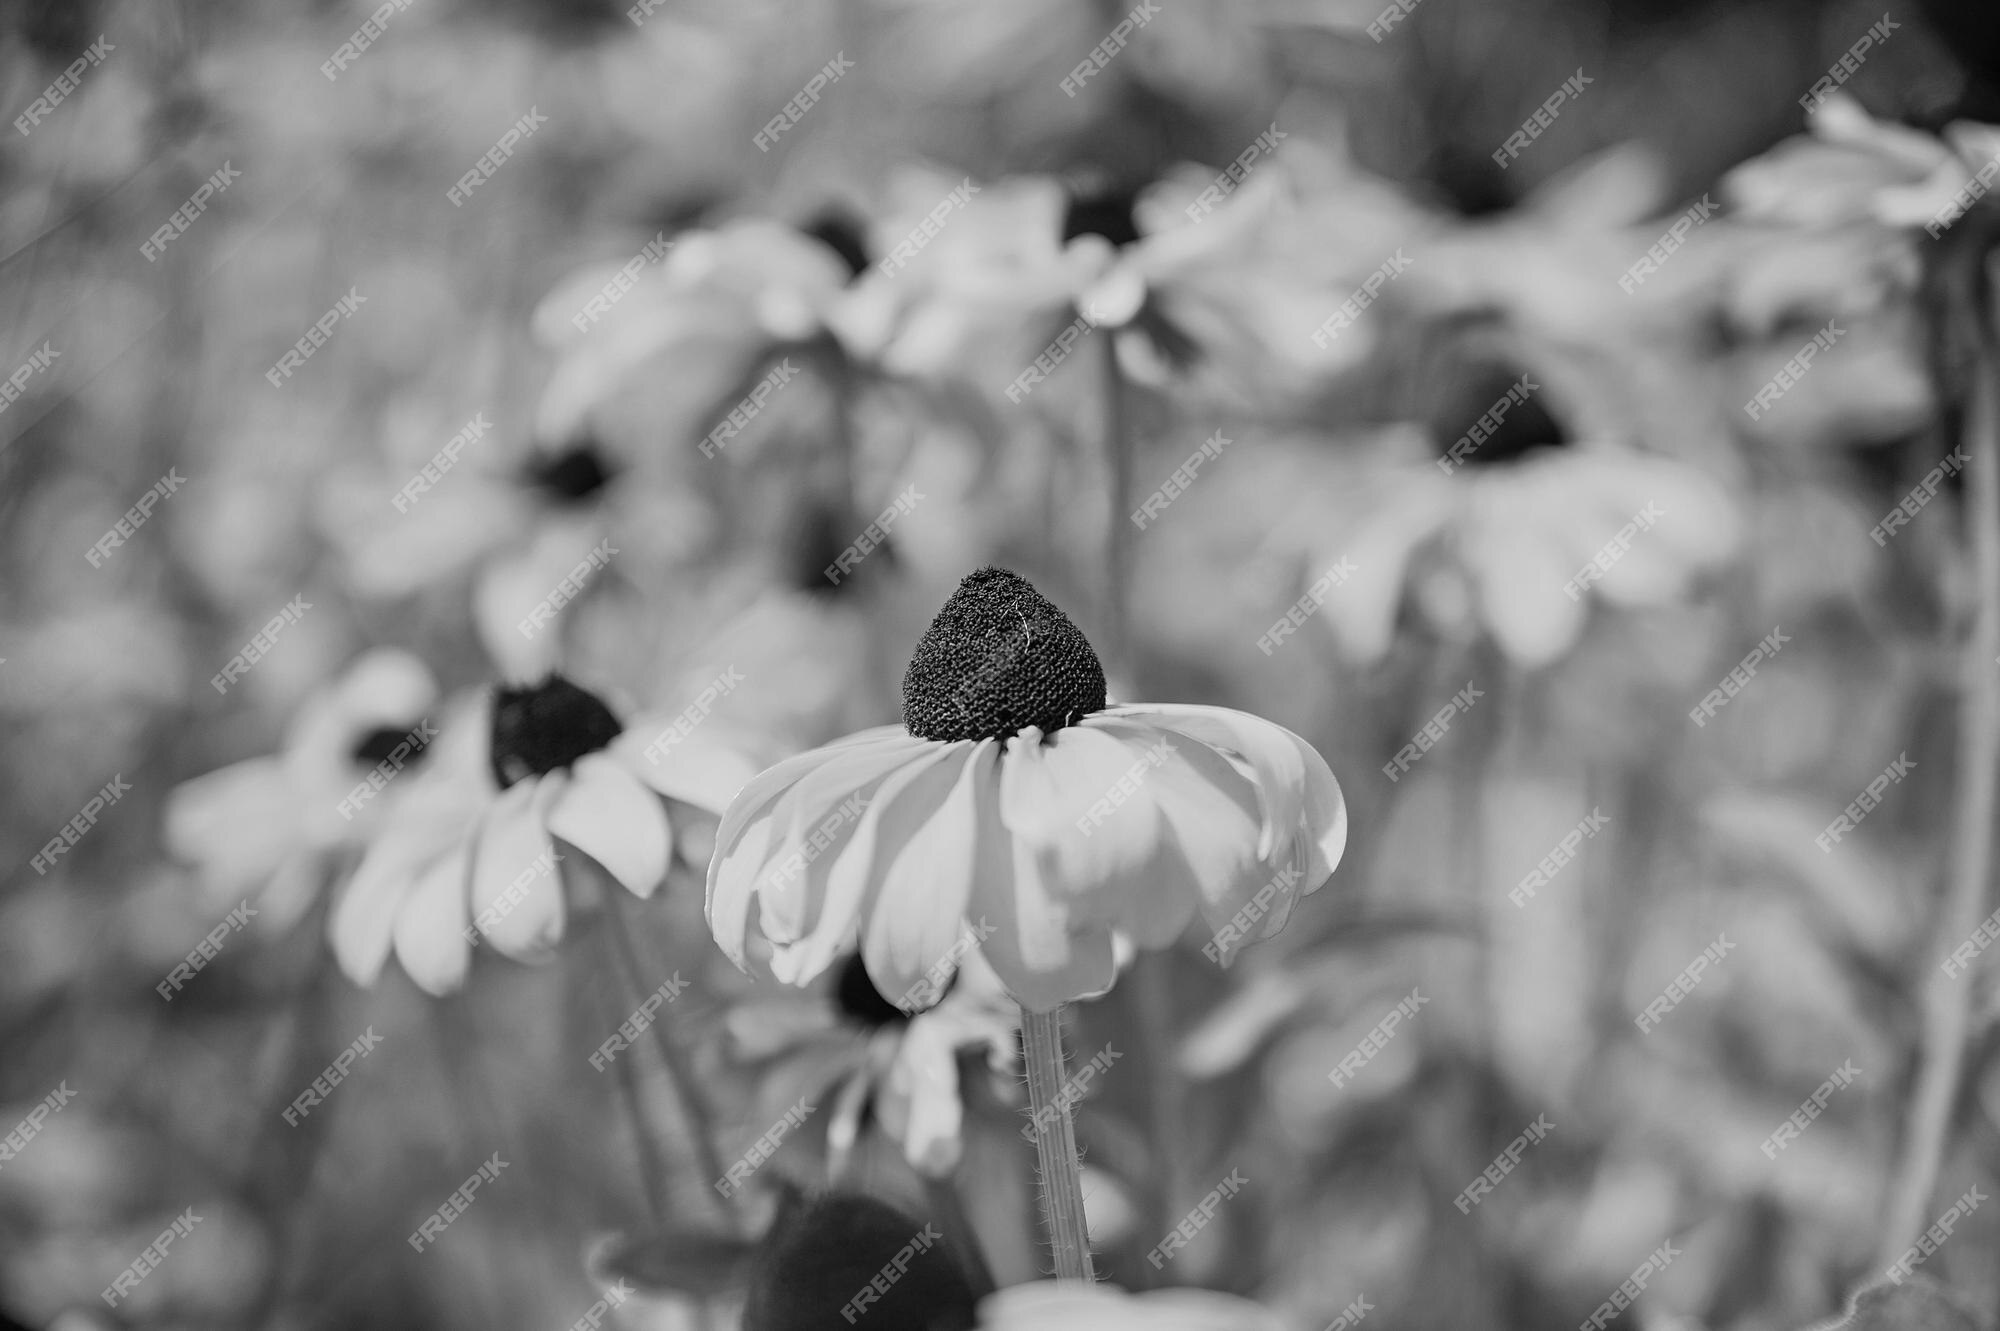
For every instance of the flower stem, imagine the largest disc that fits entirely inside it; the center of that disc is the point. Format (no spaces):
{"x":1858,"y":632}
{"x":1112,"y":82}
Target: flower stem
{"x":1055,"y":1144}
{"x":1947,"y":1015}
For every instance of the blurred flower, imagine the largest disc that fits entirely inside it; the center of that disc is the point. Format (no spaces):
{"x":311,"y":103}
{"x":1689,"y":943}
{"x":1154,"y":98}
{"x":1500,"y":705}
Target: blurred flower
{"x":886,"y":1061}
{"x":272,"y":824}
{"x":1016,"y":808}
{"x":473,"y":846}
{"x":1050,"y":1305}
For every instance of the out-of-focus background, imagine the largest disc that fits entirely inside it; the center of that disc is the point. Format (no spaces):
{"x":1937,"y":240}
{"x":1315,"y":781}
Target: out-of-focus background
{"x":336,"y":336}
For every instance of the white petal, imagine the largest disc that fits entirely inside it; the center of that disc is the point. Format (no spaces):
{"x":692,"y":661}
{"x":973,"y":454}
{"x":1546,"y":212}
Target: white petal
{"x":518,"y":905}
{"x":931,"y":837}
{"x":363,"y":919}
{"x":1042,"y":956}
{"x":1078,"y":801}
{"x":609,"y":816}
{"x":698,"y":769}
{"x":430,"y":928}
{"x":237,"y":822}
{"x":1282,"y":761}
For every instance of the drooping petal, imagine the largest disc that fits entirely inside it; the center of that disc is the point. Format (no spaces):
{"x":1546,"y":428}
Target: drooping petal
{"x":364,"y":918}
{"x":237,"y":822}
{"x":515,"y":900}
{"x":1028,"y":937}
{"x":1283,"y":762}
{"x":919,"y":909}
{"x":919,"y":1103}
{"x":695,"y":768}
{"x":852,"y":868}
{"x":430,"y":935}
{"x":609,"y":816}
{"x":1078,"y":802}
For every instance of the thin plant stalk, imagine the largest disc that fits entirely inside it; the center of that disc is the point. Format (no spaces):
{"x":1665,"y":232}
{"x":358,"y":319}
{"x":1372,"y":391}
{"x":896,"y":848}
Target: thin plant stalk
{"x":1055,"y":1145}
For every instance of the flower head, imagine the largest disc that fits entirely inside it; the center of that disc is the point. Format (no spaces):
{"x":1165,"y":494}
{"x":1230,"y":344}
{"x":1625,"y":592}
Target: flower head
{"x":1019,"y":812}
{"x":474,"y":851}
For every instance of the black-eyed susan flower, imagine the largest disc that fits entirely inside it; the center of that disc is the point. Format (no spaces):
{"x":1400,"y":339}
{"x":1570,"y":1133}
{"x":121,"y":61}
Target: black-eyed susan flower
{"x":891,"y":1065}
{"x":270,"y":824}
{"x":476,"y":850}
{"x":1018,"y":811}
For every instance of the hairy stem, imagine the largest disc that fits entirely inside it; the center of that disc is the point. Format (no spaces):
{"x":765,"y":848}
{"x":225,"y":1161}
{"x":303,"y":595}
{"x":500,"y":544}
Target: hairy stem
{"x":1055,"y":1144}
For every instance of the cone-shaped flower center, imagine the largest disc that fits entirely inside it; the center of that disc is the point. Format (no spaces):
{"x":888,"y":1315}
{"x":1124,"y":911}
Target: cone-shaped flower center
{"x":545,"y":726}
{"x":836,"y":229}
{"x":376,"y":746}
{"x":860,"y":999}
{"x":572,"y":476}
{"x":999,"y":657}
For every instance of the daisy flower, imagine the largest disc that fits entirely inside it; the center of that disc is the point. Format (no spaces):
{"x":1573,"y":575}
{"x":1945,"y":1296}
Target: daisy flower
{"x":475,"y":849}
{"x":1064,"y":1306}
{"x":1018,"y":811}
{"x":271,"y":824}
{"x":886,"y":1062}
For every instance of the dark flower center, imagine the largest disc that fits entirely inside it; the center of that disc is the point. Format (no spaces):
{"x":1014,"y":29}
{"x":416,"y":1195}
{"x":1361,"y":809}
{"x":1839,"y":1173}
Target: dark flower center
{"x":858,"y":998}
{"x":376,"y":746}
{"x":999,"y":657}
{"x":1106,"y":213}
{"x":837,"y":231}
{"x":571,"y":476}
{"x":546,"y":726}
{"x":1513,"y":419}
{"x":821,"y":1249}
